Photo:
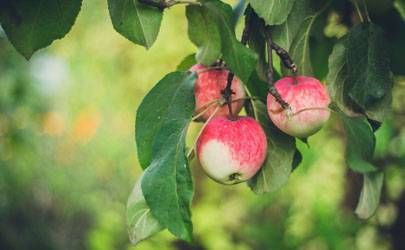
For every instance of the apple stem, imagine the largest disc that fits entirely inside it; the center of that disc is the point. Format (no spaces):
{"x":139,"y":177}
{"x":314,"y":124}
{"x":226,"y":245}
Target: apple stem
{"x":270,"y":72}
{"x":227,"y":92}
{"x":285,"y":58}
{"x":163,"y":4}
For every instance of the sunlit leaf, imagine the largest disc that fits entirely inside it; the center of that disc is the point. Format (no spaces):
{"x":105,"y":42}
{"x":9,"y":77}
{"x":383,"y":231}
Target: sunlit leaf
{"x":400,"y":6}
{"x":137,"y":22}
{"x":186,"y":63}
{"x":32,"y":25}
{"x":141,"y":223}
{"x":370,"y":194}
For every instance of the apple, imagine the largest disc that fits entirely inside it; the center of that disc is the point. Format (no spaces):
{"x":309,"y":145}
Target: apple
{"x":308,"y":99}
{"x":231,"y":150}
{"x":208,"y":87}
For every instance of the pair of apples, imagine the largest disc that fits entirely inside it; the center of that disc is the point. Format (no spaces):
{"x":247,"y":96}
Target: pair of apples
{"x":231,"y":149}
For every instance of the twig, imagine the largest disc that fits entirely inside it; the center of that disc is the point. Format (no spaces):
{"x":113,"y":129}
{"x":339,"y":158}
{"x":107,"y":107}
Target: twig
{"x":358,"y":10}
{"x":270,"y":72}
{"x":227,"y":91}
{"x":366,"y":10}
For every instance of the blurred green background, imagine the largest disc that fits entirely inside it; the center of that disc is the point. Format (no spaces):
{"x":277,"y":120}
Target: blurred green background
{"x":68,"y":158}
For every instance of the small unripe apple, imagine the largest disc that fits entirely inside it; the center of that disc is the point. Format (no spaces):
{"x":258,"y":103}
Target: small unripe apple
{"x":232,"y":150}
{"x":308,"y":99}
{"x":208,"y":87}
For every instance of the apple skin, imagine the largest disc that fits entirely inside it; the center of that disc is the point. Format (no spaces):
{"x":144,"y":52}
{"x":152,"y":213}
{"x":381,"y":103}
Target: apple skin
{"x":208,"y":87}
{"x":309,"y":101}
{"x":232,"y":151}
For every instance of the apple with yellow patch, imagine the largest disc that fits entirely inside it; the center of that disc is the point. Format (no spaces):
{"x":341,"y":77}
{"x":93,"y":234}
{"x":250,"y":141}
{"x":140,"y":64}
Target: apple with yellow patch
{"x":232,"y":150}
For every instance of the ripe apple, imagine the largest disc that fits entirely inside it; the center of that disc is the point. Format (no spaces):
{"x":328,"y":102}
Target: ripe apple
{"x":308,"y":99}
{"x":208,"y":88}
{"x":232,"y":150}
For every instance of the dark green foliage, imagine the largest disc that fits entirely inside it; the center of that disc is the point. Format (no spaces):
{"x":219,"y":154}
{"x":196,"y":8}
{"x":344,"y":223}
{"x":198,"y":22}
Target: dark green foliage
{"x":32,"y":25}
{"x":369,"y":76}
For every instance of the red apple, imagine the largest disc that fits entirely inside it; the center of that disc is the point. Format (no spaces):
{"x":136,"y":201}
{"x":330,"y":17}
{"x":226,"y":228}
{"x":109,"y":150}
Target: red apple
{"x":309,"y":101}
{"x":232,"y":151}
{"x":208,"y":88}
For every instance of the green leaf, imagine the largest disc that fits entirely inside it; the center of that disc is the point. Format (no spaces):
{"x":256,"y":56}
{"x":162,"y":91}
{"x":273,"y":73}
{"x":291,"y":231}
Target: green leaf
{"x":272,"y":11}
{"x":137,"y":22}
{"x":32,"y":25}
{"x":204,"y":33}
{"x":337,"y":77}
{"x":238,"y":10}
{"x":370,"y":194}
{"x":167,"y":182}
{"x":241,"y":60}
{"x":360,"y":143}
{"x":141,"y":223}
{"x":285,"y":33}
{"x":300,"y":46}
{"x":340,"y":85}
{"x":152,"y":113}
{"x":280,"y":156}
{"x":400,"y":6}
{"x":186,"y":63}
{"x":320,"y":47}
{"x":369,"y":71}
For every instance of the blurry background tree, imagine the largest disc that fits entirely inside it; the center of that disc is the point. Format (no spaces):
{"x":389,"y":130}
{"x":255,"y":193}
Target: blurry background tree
{"x":68,"y":160}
